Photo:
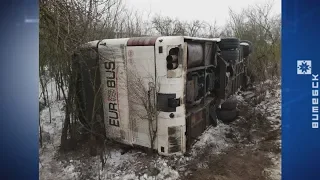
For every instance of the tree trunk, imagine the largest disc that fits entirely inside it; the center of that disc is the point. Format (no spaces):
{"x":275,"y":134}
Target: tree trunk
{"x":47,"y":94}
{"x":93,"y":145}
{"x":43,"y":91}
{"x":64,"y":135}
{"x":50,"y":116}
{"x":66,"y":124}
{"x":57,"y":88}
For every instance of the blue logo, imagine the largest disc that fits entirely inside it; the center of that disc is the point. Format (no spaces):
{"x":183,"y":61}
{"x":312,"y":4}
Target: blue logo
{"x":304,"y":67}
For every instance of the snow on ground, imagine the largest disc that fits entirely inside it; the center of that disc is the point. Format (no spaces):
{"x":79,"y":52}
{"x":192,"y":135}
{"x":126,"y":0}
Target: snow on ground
{"x":214,"y":137}
{"x":51,"y":169}
{"x":51,"y":127}
{"x":52,"y":93}
{"x":136,"y":165}
{"x":121,"y":167}
{"x":52,"y":130}
{"x":51,"y":138}
{"x":272,"y":107}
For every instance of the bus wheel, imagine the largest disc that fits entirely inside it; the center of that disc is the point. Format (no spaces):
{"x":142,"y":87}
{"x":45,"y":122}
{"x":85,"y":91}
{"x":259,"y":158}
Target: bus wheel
{"x":230,"y":104}
{"x":227,"y":116}
{"x":229,"y":43}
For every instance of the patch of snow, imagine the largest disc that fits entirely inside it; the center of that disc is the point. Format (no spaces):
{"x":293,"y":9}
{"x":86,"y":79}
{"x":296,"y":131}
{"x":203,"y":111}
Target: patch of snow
{"x":165,"y":171}
{"x":53,"y":128}
{"x":49,"y":167}
{"x":130,"y":177}
{"x":271,"y":106}
{"x":244,"y":44}
{"x":214,"y":137}
{"x":52,"y":92}
{"x":70,"y":171}
{"x":239,"y":98}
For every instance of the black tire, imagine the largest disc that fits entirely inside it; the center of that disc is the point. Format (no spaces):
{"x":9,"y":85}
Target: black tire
{"x":227,"y":116}
{"x":250,"y":45}
{"x":229,"y":43}
{"x":246,"y":51}
{"x":230,"y":55}
{"x":229,"y":104}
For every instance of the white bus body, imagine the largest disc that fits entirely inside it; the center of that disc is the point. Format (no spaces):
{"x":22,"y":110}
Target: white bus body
{"x":161,"y":69}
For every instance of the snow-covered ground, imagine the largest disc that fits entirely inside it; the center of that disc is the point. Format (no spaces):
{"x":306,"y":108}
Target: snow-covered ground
{"x":272,"y":107}
{"x":136,"y":165}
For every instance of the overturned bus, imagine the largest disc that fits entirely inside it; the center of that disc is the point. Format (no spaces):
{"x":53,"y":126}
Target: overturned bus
{"x":159,"y":92}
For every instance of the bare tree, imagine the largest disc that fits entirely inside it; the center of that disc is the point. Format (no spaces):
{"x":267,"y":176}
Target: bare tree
{"x":89,"y":111}
{"x":213,"y":30}
{"x":167,"y":26}
{"x":193,"y":28}
{"x":258,"y":25}
{"x":64,"y":26}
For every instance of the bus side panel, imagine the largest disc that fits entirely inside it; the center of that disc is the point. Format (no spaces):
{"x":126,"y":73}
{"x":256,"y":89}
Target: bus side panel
{"x":141,"y":93}
{"x":114,"y":89}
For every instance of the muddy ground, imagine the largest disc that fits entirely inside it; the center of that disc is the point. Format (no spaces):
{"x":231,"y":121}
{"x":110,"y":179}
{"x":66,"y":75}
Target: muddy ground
{"x":256,"y":150}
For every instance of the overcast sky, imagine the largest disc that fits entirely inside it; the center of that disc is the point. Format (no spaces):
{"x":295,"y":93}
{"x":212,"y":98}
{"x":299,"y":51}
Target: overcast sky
{"x":206,"y":10}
